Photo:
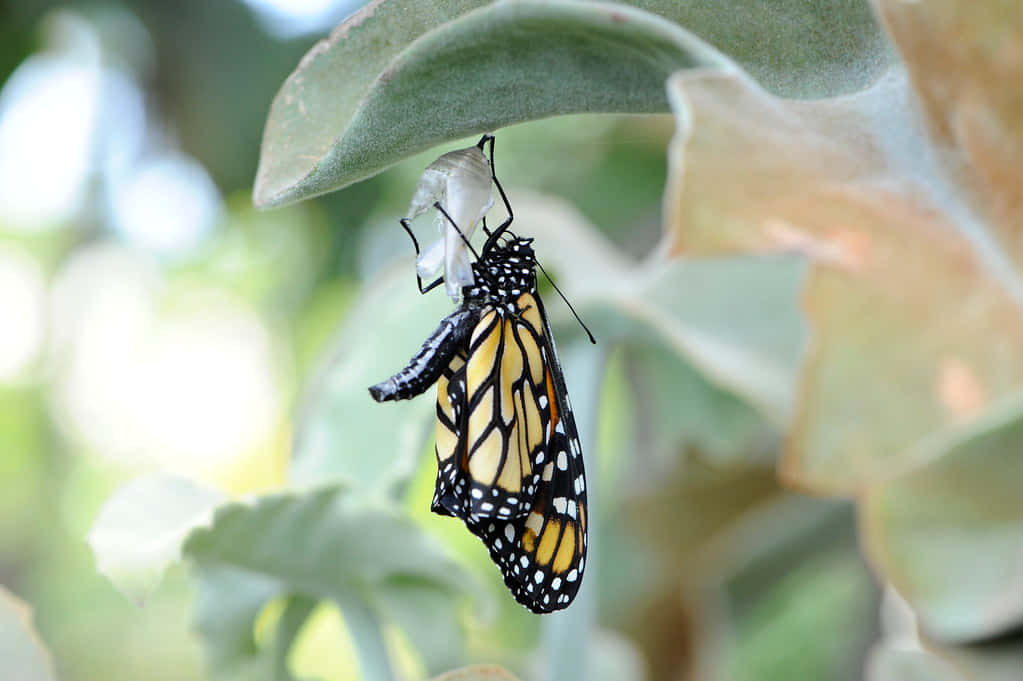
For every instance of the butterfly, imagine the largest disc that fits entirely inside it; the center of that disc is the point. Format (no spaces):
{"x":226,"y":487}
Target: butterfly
{"x":509,"y":463}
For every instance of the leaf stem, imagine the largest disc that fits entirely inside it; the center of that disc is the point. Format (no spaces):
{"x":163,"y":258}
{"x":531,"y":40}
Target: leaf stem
{"x":367,"y":635}
{"x":295,"y":615}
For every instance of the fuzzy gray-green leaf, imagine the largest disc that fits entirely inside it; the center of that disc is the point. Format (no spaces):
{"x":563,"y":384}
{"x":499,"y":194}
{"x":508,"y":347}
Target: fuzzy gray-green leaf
{"x":327,"y":545}
{"x":356,"y":104}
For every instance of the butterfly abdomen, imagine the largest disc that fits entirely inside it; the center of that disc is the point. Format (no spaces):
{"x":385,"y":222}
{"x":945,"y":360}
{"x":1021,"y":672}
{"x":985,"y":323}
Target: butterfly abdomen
{"x":427,"y":365}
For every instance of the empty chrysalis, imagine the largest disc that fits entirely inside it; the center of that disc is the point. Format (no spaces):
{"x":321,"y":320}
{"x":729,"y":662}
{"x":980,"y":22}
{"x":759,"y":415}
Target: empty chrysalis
{"x":461,"y":182}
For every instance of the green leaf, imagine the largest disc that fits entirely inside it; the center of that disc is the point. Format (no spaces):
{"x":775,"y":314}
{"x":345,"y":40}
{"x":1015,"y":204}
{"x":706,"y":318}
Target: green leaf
{"x":947,"y":532}
{"x":23,"y":654}
{"x":228,"y":603}
{"x":736,"y":320}
{"x":390,"y":82}
{"x":140,"y":529}
{"x":812,"y":624}
{"x":324,"y":545}
{"x":381,"y":89}
{"x":793,"y":48}
{"x":674,"y":406}
{"x":342,"y":434}
{"x":802,"y":603}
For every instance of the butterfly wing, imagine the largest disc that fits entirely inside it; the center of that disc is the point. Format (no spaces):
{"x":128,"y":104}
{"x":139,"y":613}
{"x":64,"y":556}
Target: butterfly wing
{"x":542,"y":553}
{"x":504,"y":428}
{"x":449,"y":491}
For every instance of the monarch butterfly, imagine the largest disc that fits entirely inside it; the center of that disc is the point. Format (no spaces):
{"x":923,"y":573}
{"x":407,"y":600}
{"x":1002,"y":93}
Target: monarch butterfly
{"x":509,"y":463}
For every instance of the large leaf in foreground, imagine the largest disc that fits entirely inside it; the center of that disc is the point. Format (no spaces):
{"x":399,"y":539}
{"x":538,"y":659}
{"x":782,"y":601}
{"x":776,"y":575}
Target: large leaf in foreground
{"x":960,"y":58}
{"x":325,"y":545}
{"x":916,"y":319}
{"x":390,"y":82}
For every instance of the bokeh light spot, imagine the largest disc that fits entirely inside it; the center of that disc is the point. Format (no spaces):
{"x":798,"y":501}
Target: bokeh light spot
{"x":22,"y":307}
{"x":167,"y":205}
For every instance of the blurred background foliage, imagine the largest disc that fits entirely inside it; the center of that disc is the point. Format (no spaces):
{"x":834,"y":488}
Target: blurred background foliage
{"x":157,"y":325}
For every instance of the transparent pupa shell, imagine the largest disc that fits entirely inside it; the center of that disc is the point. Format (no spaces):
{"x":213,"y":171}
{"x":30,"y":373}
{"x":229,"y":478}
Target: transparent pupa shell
{"x":461,"y":181}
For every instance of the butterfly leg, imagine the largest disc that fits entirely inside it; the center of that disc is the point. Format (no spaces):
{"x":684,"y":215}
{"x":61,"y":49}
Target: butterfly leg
{"x":415,"y":244}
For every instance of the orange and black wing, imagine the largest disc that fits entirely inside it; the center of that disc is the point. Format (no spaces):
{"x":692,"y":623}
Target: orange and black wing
{"x":495,"y":417}
{"x":541,"y":551}
{"x":450,"y":443}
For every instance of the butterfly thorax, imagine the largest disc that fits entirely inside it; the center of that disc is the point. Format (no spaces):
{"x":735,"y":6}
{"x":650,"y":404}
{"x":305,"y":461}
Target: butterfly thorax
{"x":502,"y":274}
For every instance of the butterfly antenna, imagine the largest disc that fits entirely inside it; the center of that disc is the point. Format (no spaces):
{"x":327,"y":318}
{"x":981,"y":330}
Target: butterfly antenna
{"x":576,"y":314}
